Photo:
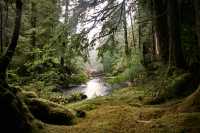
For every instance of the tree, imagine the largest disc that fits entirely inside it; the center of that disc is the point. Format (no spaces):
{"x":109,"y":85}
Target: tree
{"x":14,"y":115}
{"x":33,"y":22}
{"x":196,"y":4}
{"x":62,"y":60}
{"x":1,"y":26}
{"x":161,"y":31}
{"x":176,"y":57}
{"x":7,"y":57}
{"x":196,"y":66}
{"x":132,"y":28}
{"x":124,"y":21}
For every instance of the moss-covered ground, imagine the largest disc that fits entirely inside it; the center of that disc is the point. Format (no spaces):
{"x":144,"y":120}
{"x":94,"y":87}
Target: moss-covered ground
{"x":125,"y":111}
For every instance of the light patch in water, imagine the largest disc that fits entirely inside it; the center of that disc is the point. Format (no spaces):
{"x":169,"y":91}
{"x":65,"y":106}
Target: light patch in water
{"x":96,"y":87}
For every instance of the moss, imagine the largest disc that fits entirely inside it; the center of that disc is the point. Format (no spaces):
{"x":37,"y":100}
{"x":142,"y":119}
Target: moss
{"x":29,"y":94}
{"x":178,"y":123}
{"x":180,"y":84}
{"x":77,"y":96}
{"x":14,"y":114}
{"x":166,"y":88}
{"x":49,"y":112}
{"x":191,"y":103}
{"x":119,"y":113}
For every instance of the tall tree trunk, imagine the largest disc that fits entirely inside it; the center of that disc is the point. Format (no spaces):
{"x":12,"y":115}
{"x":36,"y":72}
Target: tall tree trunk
{"x":6,"y":38}
{"x":160,"y":23}
{"x":7,"y":57}
{"x":197,"y":14}
{"x":1,"y":26}
{"x":33,"y":23}
{"x":196,"y":67}
{"x":139,"y":29}
{"x":132,"y":29}
{"x":125,"y":29}
{"x":66,"y":11}
{"x":62,"y":60}
{"x":113,"y":40}
{"x":15,"y":117}
{"x":176,"y":58}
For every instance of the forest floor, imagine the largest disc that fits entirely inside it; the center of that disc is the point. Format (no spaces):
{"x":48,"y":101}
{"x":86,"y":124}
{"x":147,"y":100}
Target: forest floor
{"x":125,"y":111}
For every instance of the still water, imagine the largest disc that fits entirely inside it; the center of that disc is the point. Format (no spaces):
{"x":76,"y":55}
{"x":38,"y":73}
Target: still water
{"x":93,"y":88}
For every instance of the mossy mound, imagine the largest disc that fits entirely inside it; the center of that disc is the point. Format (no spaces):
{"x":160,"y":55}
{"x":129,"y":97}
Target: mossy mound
{"x":175,"y":86}
{"x":49,"y":112}
{"x":191,"y":103}
{"x":14,"y":114}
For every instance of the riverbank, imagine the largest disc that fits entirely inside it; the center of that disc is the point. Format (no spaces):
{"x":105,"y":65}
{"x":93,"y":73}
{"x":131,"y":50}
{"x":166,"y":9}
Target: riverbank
{"x":127,"y":110}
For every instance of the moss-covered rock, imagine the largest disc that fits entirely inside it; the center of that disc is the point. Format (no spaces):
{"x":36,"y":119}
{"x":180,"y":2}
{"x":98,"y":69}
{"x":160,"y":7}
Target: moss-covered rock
{"x":49,"y":112}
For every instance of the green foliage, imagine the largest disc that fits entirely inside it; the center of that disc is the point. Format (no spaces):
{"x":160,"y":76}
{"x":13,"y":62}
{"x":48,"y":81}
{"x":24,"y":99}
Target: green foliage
{"x":39,"y":60}
{"x":78,"y":78}
{"x":133,"y":71}
{"x":126,"y":69}
{"x":107,"y":62}
{"x":76,"y":96}
{"x":164,"y":87}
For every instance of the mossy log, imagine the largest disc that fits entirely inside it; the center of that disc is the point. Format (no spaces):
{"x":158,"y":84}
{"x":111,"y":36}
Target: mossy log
{"x":49,"y":112}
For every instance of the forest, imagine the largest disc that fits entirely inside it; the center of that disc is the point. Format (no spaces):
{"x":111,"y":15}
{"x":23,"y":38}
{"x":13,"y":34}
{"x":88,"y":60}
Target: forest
{"x":99,"y":66}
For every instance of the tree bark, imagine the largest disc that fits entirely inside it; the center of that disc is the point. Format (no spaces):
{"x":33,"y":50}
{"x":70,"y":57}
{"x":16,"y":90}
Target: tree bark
{"x":6,"y":38}
{"x":62,"y":60}
{"x":176,"y":58}
{"x":66,"y":11}
{"x":125,"y":29}
{"x":33,"y":23}
{"x":1,"y":26}
{"x":197,"y":16}
{"x":132,"y":29}
{"x":196,"y":67}
{"x":161,"y":29}
{"x":139,"y":31}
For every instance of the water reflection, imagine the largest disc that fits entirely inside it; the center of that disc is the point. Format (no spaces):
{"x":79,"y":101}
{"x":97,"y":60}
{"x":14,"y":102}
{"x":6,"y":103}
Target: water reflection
{"x":93,"y":88}
{"x":96,"y":87}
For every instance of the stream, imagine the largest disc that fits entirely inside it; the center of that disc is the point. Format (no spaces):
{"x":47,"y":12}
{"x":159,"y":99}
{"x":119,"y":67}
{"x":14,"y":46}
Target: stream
{"x":93,"y":88}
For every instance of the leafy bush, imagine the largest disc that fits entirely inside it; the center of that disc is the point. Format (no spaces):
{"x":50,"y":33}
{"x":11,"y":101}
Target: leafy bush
{"x":78,"y":78}
{"x":129,"y":74}
{"x":132,"y":71}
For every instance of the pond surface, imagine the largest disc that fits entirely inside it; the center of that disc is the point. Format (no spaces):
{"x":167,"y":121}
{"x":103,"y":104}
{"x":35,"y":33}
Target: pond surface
{"x":93,"y":88}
